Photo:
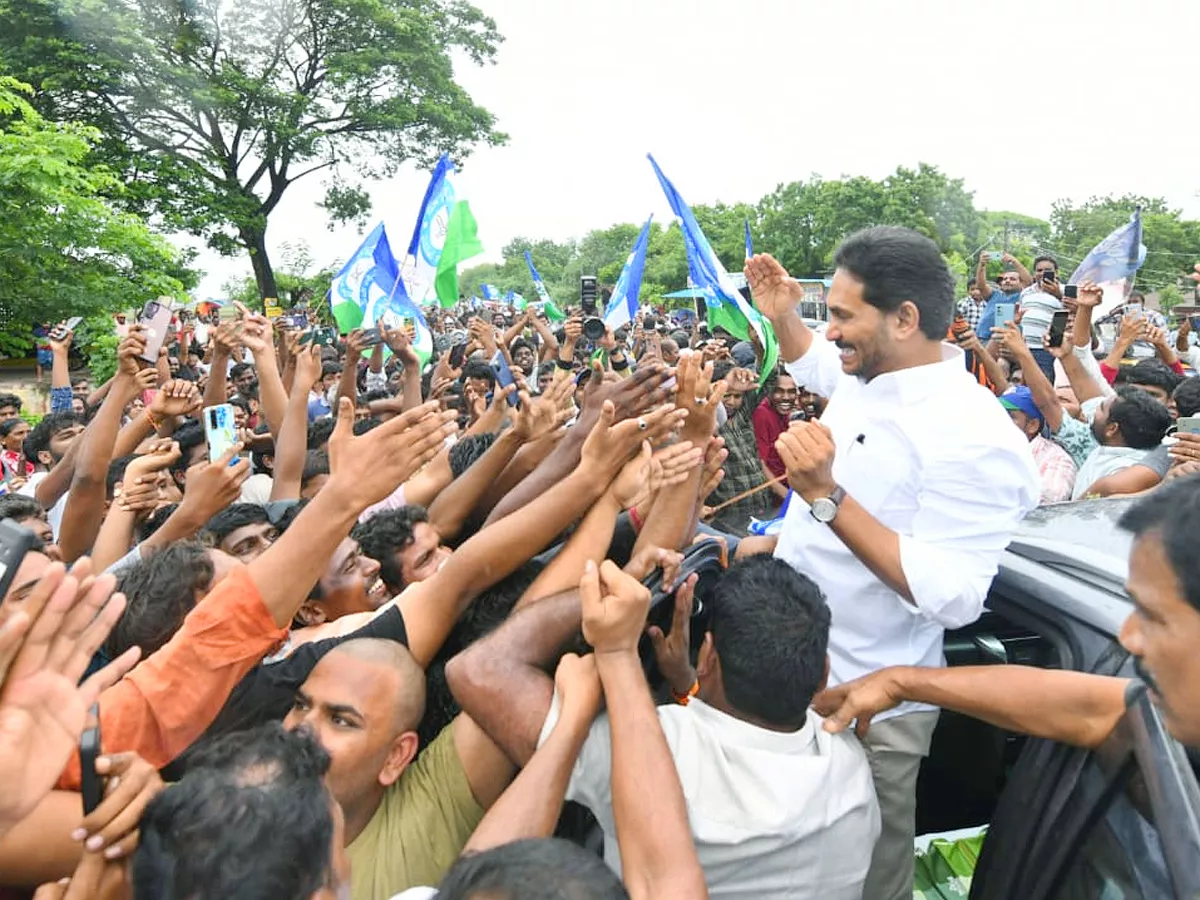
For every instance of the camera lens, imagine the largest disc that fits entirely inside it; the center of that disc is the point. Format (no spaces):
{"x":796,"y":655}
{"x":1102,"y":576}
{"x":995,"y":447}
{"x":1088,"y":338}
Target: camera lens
{"x":593,"y":329}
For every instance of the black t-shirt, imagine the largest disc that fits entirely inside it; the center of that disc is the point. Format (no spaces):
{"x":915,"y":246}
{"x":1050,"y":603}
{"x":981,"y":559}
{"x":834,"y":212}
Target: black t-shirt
{"x":268,"y":690}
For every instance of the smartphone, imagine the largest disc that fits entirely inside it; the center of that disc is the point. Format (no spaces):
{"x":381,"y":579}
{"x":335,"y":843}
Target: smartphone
{"x":1005,"y":313}
{"x":1058,"y":328}
{"x":15,"y":542}
{"x":90,"y":784}
{"x":58,"y":332}
{"x":219,"y":430}
{"x":320,"y":337}
{"x":371,"y":337}
{"x":1070,"y":291}
{"x":226,"y":314}
{"x":458,"y":353}
{"x":1195,"y":323}
{"x":504,"y":377}
{"x":1135,"y":312}
{"x":295,"y":321}
{"x":1048,"y":277}
{"x":155,"y":319}
{"x":1188,"y":425}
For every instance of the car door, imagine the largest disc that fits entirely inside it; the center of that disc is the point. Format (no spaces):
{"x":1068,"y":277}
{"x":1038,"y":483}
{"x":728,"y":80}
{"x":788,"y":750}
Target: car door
{"x":1121,"y":821}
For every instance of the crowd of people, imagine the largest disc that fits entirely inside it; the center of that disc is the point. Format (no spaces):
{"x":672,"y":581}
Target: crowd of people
{"x":506,"y":625}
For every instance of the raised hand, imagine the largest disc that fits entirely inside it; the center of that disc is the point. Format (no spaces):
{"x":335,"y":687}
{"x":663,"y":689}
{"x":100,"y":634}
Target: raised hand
{"x":45,"y":647}
{"x":648,"y":473}
{"x":714,"y":457}
{"x":175,"y":398}
{"x":610,"y":444}
{"x":697,"y":395}
{"x":614,"y":608}
{"x":212,"y":486}
{"x":1090,"y":294}
{"x":808,"y":451}
{"x":131,"y":783}
{"x":672,"y":651}
{"x":577,"y":684}
{"x":740,"y":380}
{"x":774,"y":292}
{"x":308,"y":368}
{"x":399,"y":343}
{"x":129,"y":352}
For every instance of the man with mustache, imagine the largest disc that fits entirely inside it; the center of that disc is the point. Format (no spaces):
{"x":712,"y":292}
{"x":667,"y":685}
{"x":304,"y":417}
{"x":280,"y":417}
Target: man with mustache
{"x":907,"y":490}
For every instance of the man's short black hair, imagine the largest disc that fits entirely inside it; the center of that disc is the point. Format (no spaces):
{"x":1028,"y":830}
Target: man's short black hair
{"x":1045,"y":258}
{"x":373,"y":395}
{"x":116,"y":473}
{"x":895,"y":265}
{"x":44,"y":431}
{"x":1187,"y":397}
{"x":20,"y":508}
{"x":385,"y":534}
{"x":11,"y":400}
{"x":189,"y":436}
{"x":532,"y":869}
{"x":1142,"y":419}
{"x":770,"y":628}
{"x":319,"y":432}
{"x":330,"y":368}
{"x":251,"y":820}
{"x":481,"y":370}
{"x":239,"y":369}
{"x":230,"y":519}
{"x":521,"y":343}
{"x":160,"y":591}
{"x":362,"y":426}
{"x":468,"y":449}
{"x":1172,"y":515}
{"x":1153,"y":373}
{"x":316,"y":463}
{"x":241,"y":403}
{"x":155,"y":521}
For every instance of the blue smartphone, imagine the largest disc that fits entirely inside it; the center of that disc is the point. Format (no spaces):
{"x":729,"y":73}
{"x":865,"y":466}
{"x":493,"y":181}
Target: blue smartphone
{"x":1005,"y":313}
{"x":220,"y":431}
{"x":504,"y":377}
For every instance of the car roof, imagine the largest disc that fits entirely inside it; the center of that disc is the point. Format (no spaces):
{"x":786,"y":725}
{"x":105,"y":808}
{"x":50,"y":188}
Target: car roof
{"x":1080,"y":538}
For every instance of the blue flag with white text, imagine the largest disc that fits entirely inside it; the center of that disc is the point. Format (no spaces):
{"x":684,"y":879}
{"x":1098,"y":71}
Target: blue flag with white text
{"x":623,"y":304}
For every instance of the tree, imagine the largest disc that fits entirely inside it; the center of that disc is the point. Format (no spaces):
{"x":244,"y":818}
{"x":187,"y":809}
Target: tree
{"x":1170,"y":240}
{"x":212,"y":109}
{"x":64,"y":249}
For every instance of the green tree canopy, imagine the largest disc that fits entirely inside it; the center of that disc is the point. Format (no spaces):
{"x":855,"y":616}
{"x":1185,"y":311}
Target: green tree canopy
{"x":64,"y":249}
{"x":211,"y":109}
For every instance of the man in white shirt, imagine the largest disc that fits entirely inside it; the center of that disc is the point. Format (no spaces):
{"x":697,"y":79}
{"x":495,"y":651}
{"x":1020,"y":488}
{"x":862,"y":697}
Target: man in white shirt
{"x":777,"y":812}
{"x":908,"y":488}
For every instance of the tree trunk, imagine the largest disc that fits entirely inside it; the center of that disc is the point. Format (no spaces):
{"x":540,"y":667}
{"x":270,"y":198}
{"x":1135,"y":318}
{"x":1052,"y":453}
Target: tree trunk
{"x":255,"y":242}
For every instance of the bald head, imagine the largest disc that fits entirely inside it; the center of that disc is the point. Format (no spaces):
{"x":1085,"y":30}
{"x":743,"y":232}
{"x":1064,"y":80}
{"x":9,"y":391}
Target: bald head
{"x":409,"y":696}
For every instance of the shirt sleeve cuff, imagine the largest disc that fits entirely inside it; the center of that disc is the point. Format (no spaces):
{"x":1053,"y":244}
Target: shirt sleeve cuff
{"x":940,"y":589}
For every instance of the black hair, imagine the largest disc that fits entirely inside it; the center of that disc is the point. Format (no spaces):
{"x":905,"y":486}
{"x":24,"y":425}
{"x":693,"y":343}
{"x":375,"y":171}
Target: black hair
{"x":241,"y":403}
{"x":770,"y":628}
{"x":330,"y":368}
{"x":260,"y":452}
{"x":1142,"y":419}
{"x":10,"y":425}
{"x":721,"y":368}
{"x":1172,"y":514}
{"x":532,"y":869}
{"x":895,"y":265}
{"x":519,"y":343}
{"x":316,"y":462}
{"x":362,"y":426}
{"x":155,"y":521}
{"x":468,"y":449}
{"x":251,"y":821}
{"x":116,"y":473}
{"x":189,"y":436}
{"x":376,"y":394}
{"x":385,"y":534}
{"x":1046,"y":258}
{"x":1187,"y":397}
{"x":319,"y":432}
{"x":1153,"y":373}
{"x":238,"y":369}
{"x":20,"y":508}
{"x":11,"y":400}
{"x":481,"y":370}
{"x":160,"y":591}
{"x":230,"y":519}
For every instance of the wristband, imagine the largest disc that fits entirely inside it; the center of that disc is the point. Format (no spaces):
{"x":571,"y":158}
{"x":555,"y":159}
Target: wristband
{"x":619,"y":366}
{"x":563,"y":364}
{"x":685,"y":699}
{"x":635,"y":519}
{"x":154,"y":423}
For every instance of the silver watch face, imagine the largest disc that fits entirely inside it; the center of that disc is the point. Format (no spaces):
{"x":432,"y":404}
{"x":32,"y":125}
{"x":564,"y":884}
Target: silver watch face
{"x":824,"y":510}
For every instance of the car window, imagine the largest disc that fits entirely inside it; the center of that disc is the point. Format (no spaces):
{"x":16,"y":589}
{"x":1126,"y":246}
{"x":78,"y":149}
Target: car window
{"x":1121,"y":857}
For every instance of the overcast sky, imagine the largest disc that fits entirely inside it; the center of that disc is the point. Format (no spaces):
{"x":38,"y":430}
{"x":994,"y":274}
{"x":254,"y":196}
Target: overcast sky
{"x":1028,"y":101}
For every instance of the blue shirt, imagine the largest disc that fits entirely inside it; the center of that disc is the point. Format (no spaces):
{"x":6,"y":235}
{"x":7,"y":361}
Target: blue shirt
{"x":988,"y":320}
{"x":318,"y":409}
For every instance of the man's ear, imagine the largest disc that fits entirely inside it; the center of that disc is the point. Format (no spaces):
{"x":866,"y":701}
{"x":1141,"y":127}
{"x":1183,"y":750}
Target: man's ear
{"x":908,"y":319}
{"x":311,"y":613}
{"x":707,"y":662}
{"x":402,"y":752}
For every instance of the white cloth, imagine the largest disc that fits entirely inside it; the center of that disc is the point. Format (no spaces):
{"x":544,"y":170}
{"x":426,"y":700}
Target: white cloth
{"x":54,"y":515}
{"x":1102,"y":462}
{"x":773,"y":814}
{"x":257,"y":489}
{"x":417,"y":893}
{"x":394,"y":500}
{"x":933,"y":457}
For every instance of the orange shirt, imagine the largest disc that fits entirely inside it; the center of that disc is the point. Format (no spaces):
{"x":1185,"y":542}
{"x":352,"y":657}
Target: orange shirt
{"x":172,"y":696}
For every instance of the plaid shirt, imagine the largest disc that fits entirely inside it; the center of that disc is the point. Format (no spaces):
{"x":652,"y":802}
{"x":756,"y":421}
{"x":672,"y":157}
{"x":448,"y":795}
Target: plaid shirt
{"x":1055,"y":468}
{"x":742,"y":468}
{"x":972,"y":312}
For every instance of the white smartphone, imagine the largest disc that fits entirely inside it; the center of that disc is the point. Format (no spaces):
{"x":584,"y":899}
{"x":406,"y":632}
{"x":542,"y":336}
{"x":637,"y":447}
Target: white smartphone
{"x":219,"y":430}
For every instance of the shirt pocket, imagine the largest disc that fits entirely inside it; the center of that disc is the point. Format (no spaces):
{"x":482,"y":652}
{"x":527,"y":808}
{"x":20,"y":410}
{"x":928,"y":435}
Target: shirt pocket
{"x":878,"y":472}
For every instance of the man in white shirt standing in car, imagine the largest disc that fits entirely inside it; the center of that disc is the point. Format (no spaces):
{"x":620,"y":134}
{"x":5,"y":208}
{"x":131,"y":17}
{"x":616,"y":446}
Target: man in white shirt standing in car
{"x":913,"y":482}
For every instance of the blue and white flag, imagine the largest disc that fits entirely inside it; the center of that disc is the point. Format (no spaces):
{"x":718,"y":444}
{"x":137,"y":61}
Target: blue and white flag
{"x":489,"y":292}
{"x":369,"y":289}
{"x":429,"y":235}
{"x":623,"y":304}
{"x":515,"y":300}
{"x":1113,"y":263}
{"x":545,"y":303}
{"x":726,"y":306}
{"x":749,"y":241}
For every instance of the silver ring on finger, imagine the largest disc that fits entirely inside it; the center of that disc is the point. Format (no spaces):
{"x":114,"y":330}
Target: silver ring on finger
{"x":701,"y":401}
{"x":642,"y":423}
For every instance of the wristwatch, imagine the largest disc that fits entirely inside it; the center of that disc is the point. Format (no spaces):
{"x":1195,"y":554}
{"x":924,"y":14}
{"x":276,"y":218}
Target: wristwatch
{"x":825,"y":509}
